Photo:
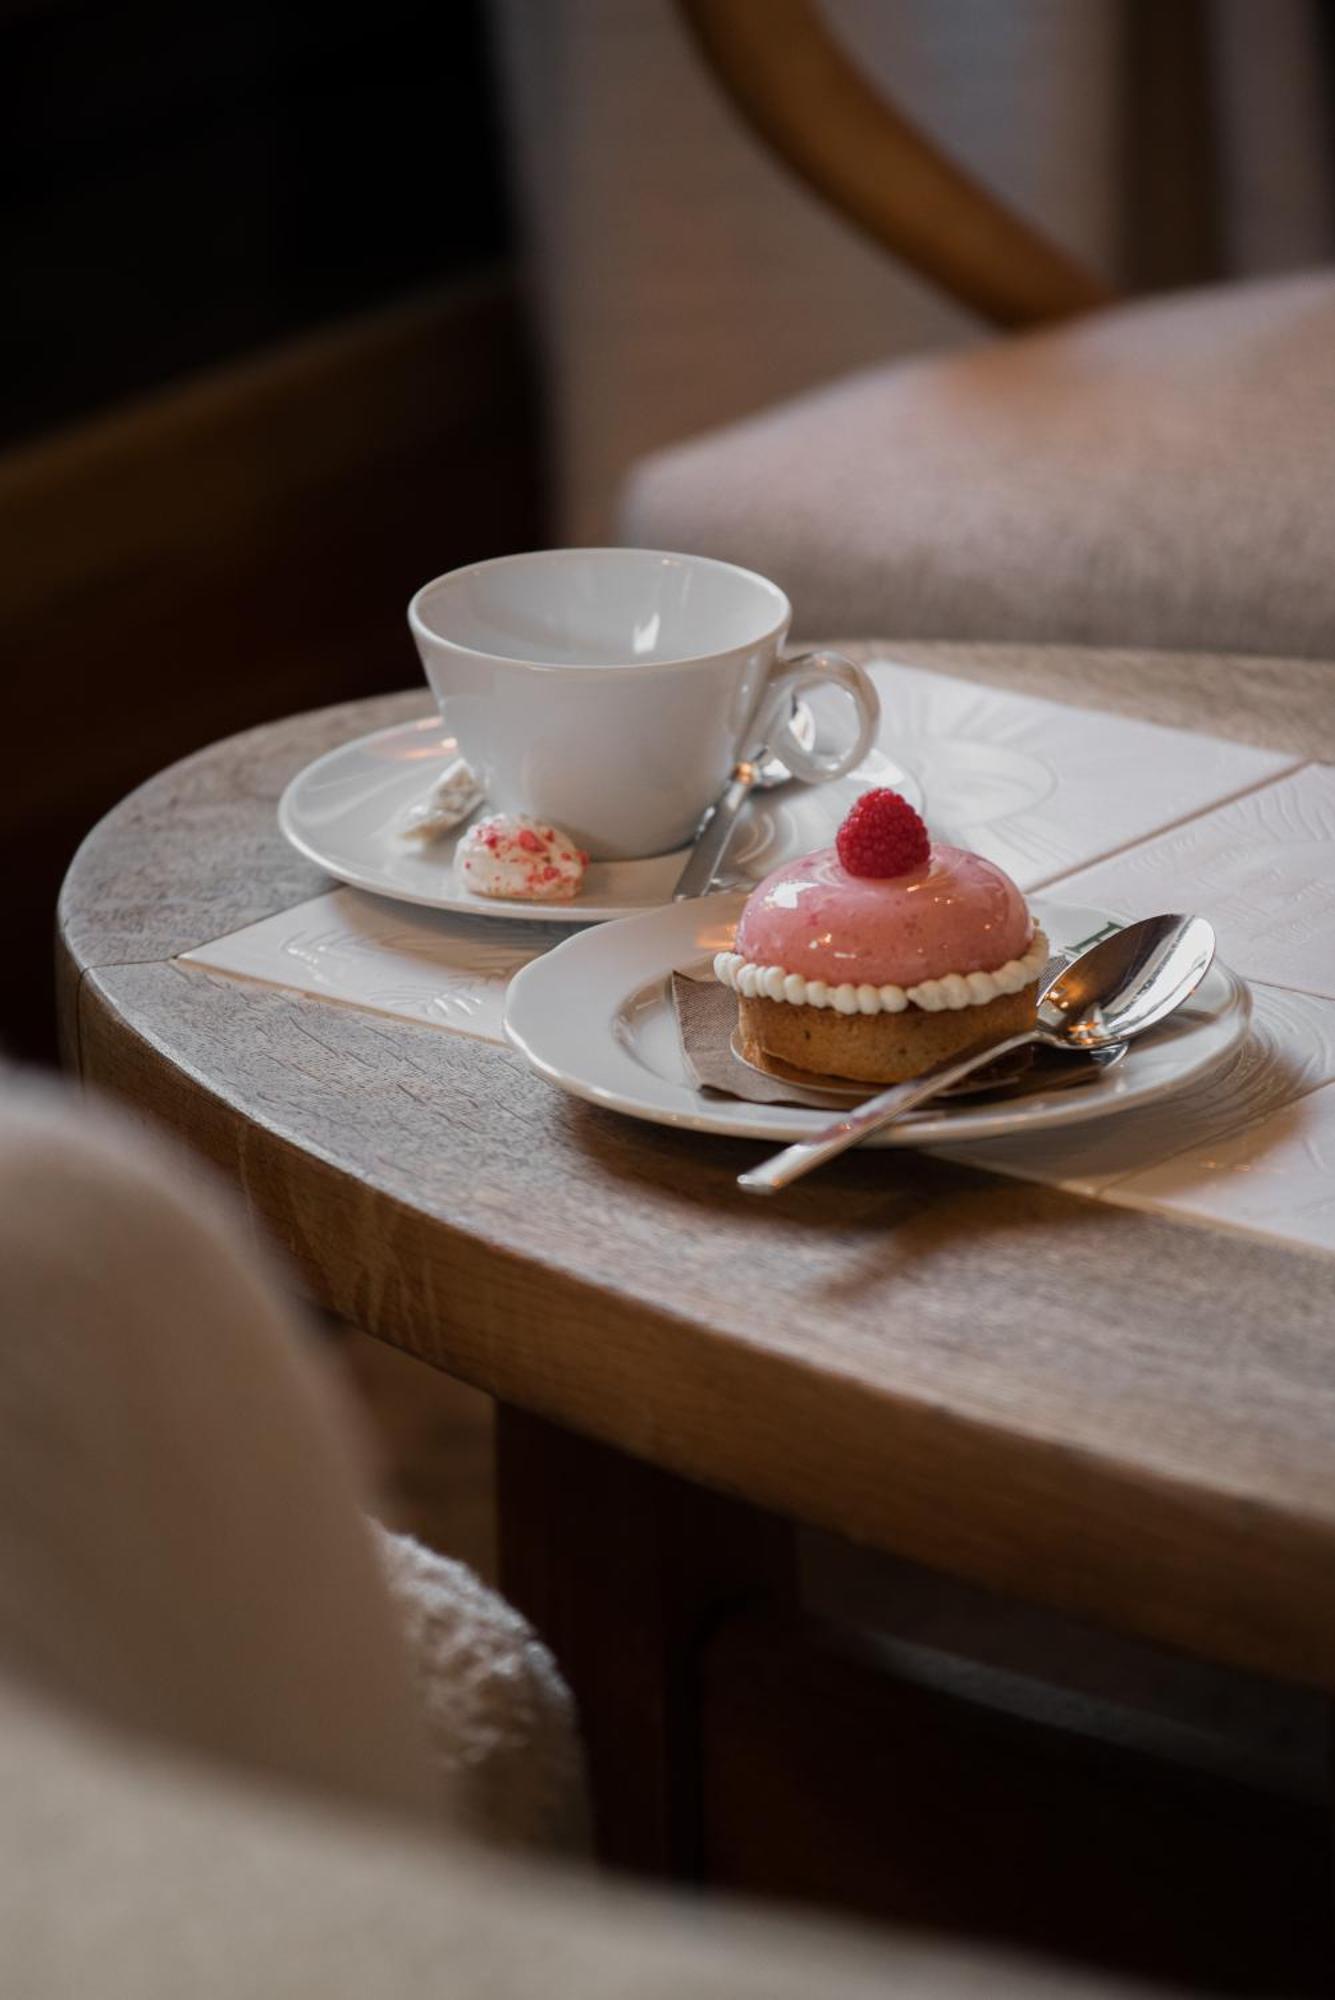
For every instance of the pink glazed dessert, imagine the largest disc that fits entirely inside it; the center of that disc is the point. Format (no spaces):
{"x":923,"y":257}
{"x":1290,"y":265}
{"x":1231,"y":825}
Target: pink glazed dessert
{"x":879,"y":957}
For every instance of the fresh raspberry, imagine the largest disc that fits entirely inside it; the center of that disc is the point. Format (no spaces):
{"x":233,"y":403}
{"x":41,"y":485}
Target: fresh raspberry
{"x":882,"y":836}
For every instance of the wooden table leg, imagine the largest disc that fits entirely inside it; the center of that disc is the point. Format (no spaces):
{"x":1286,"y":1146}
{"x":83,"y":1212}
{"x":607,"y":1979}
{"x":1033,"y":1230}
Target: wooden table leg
{"x":624,"y":1569}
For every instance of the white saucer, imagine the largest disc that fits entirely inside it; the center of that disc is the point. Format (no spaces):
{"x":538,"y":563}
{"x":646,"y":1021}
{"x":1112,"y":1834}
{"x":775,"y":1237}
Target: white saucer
{"x":345,"y":812}
{"x":594,"y":1016}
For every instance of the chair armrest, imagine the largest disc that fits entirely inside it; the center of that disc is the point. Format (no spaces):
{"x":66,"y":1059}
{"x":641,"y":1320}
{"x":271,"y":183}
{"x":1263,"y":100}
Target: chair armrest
{"x":790,"y":79}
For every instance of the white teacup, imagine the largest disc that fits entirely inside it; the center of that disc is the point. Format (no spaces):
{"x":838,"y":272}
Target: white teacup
{"x":612,"y":691}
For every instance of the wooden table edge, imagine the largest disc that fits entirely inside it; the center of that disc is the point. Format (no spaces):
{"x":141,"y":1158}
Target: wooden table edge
{"x":1278,"y":1616}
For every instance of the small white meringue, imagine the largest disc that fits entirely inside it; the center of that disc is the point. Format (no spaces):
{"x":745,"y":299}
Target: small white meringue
{"x":520,"y":860}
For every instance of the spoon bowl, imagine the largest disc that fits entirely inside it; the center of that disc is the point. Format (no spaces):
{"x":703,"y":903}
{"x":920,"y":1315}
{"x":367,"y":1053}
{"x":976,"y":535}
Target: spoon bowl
{"x":1118,"y":988}
{"x":1127,"y":982}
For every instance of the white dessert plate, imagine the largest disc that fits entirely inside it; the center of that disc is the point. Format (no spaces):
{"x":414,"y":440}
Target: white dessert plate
{"x":594,"y":1016}
{"x":347,"y":811}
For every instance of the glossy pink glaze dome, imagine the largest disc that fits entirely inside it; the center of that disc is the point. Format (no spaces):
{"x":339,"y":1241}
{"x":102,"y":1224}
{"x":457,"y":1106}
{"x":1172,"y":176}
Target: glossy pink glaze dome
{"x":957,"y":913}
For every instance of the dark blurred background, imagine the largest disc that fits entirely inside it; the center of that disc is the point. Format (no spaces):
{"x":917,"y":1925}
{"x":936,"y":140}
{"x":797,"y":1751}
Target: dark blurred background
{"x":189,"y":182}
{"x":264,"y":373}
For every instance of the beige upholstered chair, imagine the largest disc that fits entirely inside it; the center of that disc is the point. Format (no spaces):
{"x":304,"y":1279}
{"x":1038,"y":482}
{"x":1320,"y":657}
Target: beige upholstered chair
{"x":1158,"y":473}
{"x":183,"y":1556}
{"x":218,"y":1772}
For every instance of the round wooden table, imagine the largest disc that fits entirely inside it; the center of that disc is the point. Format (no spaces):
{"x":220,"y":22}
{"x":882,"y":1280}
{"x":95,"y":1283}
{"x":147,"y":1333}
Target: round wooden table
{"x":1091,"y":1408}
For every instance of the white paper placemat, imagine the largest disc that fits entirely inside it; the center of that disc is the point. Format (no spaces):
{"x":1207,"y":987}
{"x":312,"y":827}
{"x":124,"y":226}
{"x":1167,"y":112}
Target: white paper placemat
{"x":1201,"y":1152}
{"x":1261,"y":868}
{"x":1041,"y":788}
{"x":1274,"y":1179}
{"x":1122,"y":814}
{"x":421,"y":965}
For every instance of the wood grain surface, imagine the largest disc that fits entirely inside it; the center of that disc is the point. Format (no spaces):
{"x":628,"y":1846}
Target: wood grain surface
{"x":1125,"y":1416}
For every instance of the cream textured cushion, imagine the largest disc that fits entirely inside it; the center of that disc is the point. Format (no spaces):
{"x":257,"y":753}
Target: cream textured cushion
{"x":1158,"y":475}
{"x":184,"y":1554}
{"x":500,"y":1720}
{"x":126,"y":1874}
{"x":213,"y":1783}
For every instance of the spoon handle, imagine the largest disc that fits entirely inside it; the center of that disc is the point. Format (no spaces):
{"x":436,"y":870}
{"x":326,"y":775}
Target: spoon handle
{"x":712,"y":842}
{"x":794,"y":1161}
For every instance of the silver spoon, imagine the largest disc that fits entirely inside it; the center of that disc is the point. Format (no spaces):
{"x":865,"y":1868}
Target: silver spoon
{"x":761,"y":774}
{"x":1113,"y":992}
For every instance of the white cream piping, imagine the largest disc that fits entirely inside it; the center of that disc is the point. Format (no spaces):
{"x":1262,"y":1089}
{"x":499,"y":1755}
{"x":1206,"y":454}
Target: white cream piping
{"x":955,"y":989}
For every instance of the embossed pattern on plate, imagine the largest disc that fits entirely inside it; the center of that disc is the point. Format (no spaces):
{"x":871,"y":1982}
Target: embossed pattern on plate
{"x":1289,"y":1051}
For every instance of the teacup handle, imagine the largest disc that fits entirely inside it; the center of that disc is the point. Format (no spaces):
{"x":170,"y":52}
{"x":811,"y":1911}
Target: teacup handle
{"x":773,"y":729}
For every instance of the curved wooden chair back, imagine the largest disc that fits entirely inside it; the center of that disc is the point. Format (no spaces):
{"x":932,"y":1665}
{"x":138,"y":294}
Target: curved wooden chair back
{"x":790,"y":79}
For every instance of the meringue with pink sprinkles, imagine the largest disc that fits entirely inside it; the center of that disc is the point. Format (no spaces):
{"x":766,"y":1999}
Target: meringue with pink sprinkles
{"x":520,"y":860}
